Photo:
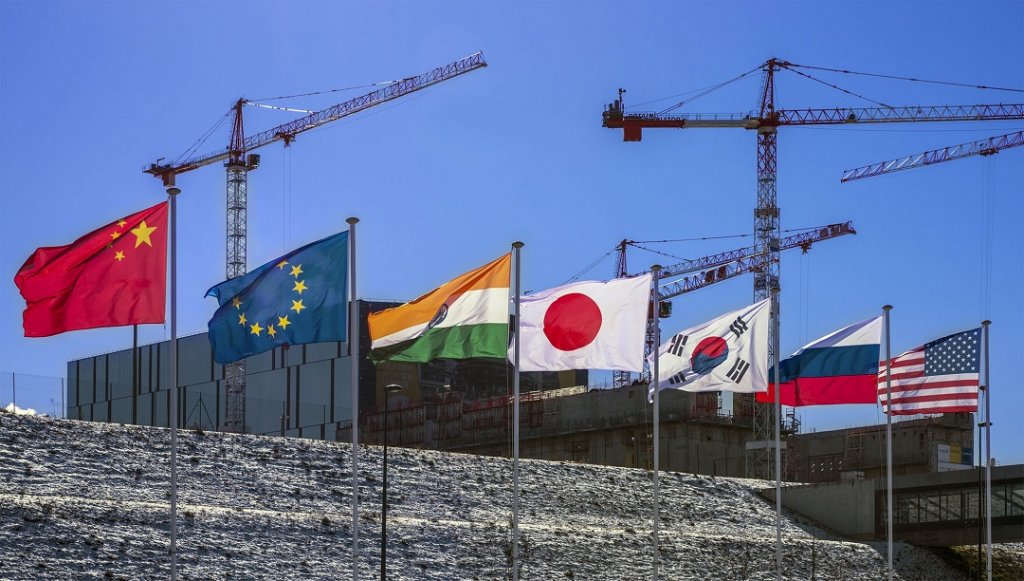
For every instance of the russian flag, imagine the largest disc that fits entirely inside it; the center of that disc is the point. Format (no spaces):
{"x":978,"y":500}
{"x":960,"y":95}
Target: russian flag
{"x":841,"y":367}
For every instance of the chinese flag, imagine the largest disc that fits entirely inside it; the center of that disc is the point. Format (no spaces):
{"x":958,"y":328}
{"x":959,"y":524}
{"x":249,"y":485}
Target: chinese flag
{"x":113,"y":276}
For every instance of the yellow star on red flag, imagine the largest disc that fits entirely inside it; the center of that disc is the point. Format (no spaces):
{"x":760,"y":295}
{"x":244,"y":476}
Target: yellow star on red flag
{"x":142,"y":234}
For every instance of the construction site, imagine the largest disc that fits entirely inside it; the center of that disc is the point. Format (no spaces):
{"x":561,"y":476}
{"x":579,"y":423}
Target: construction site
{"x":465,"y":406}
{"x":567,"y":148}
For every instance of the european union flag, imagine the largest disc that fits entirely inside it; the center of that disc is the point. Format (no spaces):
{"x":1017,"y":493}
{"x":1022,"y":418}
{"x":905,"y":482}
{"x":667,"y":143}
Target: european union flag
{"x":298,"y":298}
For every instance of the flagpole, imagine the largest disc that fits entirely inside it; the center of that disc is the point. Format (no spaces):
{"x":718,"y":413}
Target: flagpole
{"x":135,"y":374}
{"x":172,"y":193}
{"x":988,"y":453}
{"x":353,"y":347}
{"x":656,"y":301}
{"x":888,"y":435}
{"x":517,"y":255}
{"x":778,"y":437}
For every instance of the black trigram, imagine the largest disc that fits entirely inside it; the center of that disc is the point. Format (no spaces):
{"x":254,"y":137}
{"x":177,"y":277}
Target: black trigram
{"x":738,"y":326}
{"x":675,"y":347}
{"x":739,"y":369}
{"x":677,"y":378}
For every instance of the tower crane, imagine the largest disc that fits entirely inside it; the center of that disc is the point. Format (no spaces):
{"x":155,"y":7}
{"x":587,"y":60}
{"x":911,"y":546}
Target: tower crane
{"x":766,"y":122}
{"x":717,"y":268}
{"x":239,"y":161}
{"x":723,"y":266}
{"x":983,"y":147}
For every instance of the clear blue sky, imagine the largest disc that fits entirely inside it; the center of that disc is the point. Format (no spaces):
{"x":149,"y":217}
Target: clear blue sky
{"x":446,"y":179}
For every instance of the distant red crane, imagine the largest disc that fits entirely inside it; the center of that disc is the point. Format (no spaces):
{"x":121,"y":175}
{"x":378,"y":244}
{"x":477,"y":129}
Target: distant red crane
{"x":766,"y":122}
{"x":239,"y":161}
{"x":678,"y":279}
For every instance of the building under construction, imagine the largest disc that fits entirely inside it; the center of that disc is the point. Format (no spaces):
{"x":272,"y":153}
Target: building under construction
{"x":465,"y":406}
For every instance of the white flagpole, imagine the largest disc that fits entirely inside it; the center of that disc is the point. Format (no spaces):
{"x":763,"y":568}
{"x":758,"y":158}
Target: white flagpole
{"x":353,"y":347}
{"x":988,"y":453}
{"x":172,"y":420}
{"x":517,"y":256}
{"x":656,"y":302}
{"x":888,"y":435}
{"x":778,"y":439}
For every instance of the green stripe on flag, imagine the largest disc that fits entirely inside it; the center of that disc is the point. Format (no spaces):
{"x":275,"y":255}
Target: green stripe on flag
{"x":463,"y":342}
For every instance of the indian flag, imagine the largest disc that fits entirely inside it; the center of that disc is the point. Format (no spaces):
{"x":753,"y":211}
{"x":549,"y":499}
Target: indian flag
{"x":463,"y":318}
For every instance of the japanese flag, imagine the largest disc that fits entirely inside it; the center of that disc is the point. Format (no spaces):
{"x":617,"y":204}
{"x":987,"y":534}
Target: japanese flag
{"x":585,"y":325}
{"x":729,"y":353}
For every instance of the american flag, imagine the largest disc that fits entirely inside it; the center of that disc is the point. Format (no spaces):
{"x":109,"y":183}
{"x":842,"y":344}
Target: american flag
{"x":938,"y":377}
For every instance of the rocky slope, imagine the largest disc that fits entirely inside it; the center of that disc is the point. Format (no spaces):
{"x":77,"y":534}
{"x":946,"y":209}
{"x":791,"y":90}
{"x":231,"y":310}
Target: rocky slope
{"x":90,"y":501}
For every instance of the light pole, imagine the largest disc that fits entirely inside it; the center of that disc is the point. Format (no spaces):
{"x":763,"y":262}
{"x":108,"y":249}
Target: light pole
{"x":443,"y":415}
{"x":388,"y":390}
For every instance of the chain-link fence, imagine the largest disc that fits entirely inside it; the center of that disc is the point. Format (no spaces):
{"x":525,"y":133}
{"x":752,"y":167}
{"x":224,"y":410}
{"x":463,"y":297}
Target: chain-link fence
{"x":38,"y":394}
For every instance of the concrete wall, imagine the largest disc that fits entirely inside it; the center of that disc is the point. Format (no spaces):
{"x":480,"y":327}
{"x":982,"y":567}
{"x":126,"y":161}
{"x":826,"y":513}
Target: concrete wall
{"x":614,"y":427}
{"x":832,"y":455}
{"x":855,"y":509}
{"x":845,"y":507}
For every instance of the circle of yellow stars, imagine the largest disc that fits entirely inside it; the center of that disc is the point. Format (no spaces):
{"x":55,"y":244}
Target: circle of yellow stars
{"x":282,"y":323}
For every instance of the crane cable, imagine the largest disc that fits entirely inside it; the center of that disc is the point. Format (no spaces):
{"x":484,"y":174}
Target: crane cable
{"x":792,"y":66}
{"x":314,"y":93}
{"x":636,"y":243}
{"x":286,"y":201}
{"x":899,"y":78}
{"x":805,"y":296}
{"x":590,"y":267}
{"x":202,"y":139}
{"x":278,"y":108}
{"x":710,"y":89}
{"x":838,"y":88}
{"x":700,"y":238}
{"x":703,"y":90}
{"x":987,"y":220}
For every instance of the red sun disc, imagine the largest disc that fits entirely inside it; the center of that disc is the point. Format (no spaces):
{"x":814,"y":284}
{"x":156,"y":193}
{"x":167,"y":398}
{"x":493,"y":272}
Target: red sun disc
{"x":572,"y":322}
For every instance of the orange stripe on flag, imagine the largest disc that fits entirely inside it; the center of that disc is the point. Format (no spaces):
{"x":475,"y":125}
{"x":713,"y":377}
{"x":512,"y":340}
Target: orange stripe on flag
{"x":421,"y":310}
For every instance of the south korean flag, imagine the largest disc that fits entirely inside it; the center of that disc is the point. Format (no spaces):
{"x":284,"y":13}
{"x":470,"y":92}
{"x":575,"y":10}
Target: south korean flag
{"x":729,"y":353}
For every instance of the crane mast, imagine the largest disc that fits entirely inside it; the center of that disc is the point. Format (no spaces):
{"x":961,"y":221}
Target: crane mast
{"x":237,"y":168}
{"x":239,"y":161}
{"x":760,"y":458}
{"x":766,"y":281}
{"x":623,"y":378}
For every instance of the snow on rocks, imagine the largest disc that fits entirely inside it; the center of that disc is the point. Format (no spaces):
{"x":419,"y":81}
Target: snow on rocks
{"x":82,"y":500}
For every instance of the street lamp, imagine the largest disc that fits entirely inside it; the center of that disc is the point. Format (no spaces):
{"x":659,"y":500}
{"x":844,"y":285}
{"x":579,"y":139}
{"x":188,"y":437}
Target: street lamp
{"x":443,"y":415}
{"x":388,"y":390}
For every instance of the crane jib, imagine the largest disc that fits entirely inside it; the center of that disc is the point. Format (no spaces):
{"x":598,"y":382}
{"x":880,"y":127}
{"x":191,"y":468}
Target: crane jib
{"x":983,"y":147}
{"x":719,"y":267}
{"x":633,"y":124}
{"x":288,"y":131}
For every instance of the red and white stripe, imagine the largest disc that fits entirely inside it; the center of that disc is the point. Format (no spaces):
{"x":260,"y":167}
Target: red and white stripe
{"x":915,"y":393}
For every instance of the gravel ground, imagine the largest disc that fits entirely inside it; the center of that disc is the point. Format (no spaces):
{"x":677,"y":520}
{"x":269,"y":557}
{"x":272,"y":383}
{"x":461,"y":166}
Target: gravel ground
{"x":80,"y":500}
